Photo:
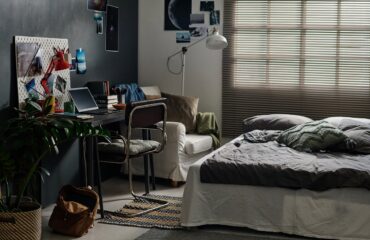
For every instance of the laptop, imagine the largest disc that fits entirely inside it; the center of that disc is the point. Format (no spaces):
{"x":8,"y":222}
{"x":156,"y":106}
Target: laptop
{"x":85,"y":102}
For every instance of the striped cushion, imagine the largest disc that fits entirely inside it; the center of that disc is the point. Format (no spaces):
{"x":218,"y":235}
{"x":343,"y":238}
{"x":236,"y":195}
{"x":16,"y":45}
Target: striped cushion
{"x":312,"y":136}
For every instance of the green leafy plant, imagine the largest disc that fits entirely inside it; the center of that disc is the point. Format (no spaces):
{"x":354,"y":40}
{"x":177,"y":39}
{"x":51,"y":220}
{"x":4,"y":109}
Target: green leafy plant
{"x":25,"y":141}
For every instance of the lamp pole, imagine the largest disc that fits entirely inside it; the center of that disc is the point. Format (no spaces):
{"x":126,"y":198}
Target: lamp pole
{"x":214,"y":42}
{"x":183,"y":52}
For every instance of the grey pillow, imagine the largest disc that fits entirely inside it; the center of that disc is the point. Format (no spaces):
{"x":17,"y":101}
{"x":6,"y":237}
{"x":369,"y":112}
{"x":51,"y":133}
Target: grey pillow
{"x":312,"y":136}
{"x":361,"y":136}
{"x":273,"y":122}
{"x":345,"y":123}
{"x":182,"y":109}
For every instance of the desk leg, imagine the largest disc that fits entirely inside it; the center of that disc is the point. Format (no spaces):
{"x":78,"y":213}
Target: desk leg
{"x":98,"y":175}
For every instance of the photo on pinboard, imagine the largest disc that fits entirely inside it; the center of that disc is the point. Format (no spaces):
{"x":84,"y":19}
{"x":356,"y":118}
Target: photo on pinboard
{"x":112,"y":29}
{"x":183,"y":37}
{"x":177,"y":14}
{"x":29,"y":60}
{"x":97,"y":5}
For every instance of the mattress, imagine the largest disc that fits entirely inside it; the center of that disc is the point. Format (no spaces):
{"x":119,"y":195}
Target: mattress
{"x":341,"y":213}
{"x":271,"y":165}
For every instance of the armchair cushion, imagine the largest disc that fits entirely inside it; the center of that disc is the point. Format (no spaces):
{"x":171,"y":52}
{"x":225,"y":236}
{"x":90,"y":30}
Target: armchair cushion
{"x":195,"y":143}
{"x":182,"y":109}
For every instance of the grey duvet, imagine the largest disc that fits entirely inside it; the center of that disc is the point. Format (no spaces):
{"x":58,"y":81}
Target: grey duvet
{"x":265,"y":163}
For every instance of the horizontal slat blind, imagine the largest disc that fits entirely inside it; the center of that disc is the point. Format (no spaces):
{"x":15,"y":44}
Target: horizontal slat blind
{"x":307,"y":57}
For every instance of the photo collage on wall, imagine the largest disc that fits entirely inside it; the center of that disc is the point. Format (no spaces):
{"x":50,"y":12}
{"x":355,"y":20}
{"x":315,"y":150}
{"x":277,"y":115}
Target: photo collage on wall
{"x":179,"y":17}
{"x":101,"y":8}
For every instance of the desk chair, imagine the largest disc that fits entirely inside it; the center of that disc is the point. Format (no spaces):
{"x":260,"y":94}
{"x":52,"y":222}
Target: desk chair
{"x":139,"y":115}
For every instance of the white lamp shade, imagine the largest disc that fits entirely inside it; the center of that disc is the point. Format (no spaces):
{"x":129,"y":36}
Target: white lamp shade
{"x":216,"y":41}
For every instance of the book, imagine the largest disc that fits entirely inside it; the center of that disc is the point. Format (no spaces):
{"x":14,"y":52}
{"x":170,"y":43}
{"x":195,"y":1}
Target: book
{"x":105,"y":97}
{"x":106,"y":101}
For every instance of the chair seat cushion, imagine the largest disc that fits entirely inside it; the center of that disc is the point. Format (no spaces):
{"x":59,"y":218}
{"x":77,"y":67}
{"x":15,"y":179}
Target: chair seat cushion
{"x":137,"y":146}
{"x":195,"y":143}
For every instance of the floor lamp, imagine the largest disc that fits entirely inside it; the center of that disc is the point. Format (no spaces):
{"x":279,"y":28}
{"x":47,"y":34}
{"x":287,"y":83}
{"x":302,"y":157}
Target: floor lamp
{"x":215,"y":41}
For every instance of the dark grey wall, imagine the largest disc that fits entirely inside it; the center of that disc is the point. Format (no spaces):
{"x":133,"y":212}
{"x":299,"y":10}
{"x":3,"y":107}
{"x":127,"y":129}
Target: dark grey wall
{"x":66,"y":19}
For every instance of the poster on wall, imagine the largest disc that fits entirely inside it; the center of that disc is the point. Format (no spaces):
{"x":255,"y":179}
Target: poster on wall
{"x":111,"y":41}
{"x":177,"y":14}
{"x":97,"y":5}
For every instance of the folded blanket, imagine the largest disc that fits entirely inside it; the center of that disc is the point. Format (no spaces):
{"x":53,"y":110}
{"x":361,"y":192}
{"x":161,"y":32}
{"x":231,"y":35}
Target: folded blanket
{"x":207,"y":124}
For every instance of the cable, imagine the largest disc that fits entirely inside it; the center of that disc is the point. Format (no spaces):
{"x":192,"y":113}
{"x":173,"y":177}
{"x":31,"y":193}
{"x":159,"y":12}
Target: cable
{"x":168,"y":66}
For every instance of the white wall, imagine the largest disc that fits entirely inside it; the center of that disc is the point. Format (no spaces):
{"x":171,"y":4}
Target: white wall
{"x":203,"y":66}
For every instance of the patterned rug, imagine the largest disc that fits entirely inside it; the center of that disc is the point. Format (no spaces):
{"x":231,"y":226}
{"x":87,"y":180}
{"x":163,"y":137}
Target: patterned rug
{"x":164,"y":218}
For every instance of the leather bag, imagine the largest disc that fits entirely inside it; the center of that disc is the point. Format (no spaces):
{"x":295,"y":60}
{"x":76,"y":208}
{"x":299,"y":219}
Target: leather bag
{"x":75,"y":211}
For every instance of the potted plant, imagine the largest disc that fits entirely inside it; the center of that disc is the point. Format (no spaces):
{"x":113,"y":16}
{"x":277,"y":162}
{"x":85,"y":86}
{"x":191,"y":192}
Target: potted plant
{"x":24,"y":142}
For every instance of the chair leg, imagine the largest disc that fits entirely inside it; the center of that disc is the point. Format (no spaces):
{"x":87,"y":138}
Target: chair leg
{"x":144,"y":198}
{"x":152,"y":175}
{"x":146,"y":174}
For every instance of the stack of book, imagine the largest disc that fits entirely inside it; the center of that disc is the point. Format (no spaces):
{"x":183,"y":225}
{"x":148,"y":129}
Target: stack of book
{"x":105,"y":101}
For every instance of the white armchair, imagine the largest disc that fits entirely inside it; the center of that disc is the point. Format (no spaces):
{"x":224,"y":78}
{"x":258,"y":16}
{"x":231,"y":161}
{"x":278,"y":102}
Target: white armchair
{"x":180,"y":152}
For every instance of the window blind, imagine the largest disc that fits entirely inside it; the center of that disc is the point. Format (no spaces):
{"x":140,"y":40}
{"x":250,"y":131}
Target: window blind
{"x":307,"y":57}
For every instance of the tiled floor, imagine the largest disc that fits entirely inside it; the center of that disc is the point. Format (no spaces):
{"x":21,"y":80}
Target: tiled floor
{"x":113,"y":189}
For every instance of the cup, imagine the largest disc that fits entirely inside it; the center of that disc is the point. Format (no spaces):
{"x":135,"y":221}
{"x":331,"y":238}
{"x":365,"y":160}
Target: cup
{"x":69,"y":107}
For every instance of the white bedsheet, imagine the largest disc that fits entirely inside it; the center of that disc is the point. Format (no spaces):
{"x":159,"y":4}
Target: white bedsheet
{"x":338,"y":213}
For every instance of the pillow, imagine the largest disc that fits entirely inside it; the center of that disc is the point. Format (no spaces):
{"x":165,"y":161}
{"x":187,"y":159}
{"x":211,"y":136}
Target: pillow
{"x":151,"y":92}
{"x":273,"y":122}
{"x":361,"y":136}
{"x":182,"y":109}
{"x":312,"y":136}
{"x":345,"y":123}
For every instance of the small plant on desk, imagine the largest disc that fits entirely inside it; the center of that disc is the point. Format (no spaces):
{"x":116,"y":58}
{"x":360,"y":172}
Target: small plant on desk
{"x":24,"y":142}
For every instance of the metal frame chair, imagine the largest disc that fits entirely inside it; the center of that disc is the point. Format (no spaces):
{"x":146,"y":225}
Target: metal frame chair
{"x":143,"y":115}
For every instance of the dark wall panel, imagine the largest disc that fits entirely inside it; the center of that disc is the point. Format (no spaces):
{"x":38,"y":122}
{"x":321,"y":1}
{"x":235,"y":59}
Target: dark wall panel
{"x":66,"y":19}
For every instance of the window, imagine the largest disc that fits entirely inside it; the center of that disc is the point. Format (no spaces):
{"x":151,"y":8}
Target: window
{"x":309,"y":57}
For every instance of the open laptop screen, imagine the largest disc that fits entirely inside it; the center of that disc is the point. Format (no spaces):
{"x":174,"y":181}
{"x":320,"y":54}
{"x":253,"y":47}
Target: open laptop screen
{"x":83,"y":99}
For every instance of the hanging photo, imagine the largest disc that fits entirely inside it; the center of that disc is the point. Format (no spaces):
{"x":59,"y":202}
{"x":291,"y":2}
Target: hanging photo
{"x":214,"y":17}
{"x":98,"y":17}
{"x":197,"y":18}
{"x":198,"y":31}
{"x":29,"y":60}
{"x":207,"y":6}
{"x":61,"y":84}
{"x":31,"y":89}
{"x":177,"y":14}
{"x":111,"y":42}
{"x":97,"y":5}
{"x":182,"y":37}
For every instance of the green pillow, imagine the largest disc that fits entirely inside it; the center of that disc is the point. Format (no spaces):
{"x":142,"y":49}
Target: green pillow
{"x":312,"y":136}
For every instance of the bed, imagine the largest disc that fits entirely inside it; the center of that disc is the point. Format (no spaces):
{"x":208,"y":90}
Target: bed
{"x":339,"y":213}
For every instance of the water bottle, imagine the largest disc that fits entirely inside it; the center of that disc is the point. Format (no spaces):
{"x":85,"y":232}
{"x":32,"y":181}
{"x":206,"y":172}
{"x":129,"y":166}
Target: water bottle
{"x":80,"y":61}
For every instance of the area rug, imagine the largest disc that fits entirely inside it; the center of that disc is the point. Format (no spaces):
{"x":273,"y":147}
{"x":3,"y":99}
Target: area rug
{"x":164,"y":218}
{"x":214,"y":234}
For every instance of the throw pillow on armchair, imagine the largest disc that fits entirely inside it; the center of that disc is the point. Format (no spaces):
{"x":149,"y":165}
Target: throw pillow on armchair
{"x":182,"y":109}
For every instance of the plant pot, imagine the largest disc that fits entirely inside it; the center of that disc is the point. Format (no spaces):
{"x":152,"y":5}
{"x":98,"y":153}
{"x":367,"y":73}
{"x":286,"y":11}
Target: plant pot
{"x":21,"y":225}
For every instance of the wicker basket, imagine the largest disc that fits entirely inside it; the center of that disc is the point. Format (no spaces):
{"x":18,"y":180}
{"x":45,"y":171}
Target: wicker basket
{"x":21,"y":225}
